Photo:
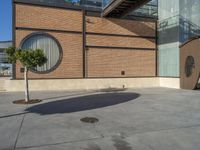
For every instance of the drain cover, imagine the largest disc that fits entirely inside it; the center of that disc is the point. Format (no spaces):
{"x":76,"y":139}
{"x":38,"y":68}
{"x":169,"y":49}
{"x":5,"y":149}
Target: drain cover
{"x":89,"y":120}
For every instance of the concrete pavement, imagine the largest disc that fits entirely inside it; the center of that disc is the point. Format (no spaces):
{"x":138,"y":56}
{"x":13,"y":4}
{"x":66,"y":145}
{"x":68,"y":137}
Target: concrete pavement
{"x":135,"y":119}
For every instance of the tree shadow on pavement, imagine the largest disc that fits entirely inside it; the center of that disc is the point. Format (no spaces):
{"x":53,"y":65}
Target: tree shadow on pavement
{"x":82,"y":103}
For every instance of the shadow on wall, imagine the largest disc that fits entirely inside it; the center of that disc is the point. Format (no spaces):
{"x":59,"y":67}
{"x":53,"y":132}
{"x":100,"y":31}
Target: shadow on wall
{"x":198,"y":85}
{"x":82,"y":103}
{"x":145,"y":28}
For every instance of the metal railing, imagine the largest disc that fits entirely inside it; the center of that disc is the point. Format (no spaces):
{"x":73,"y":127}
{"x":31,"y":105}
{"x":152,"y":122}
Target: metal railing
{"x":187,"y":29}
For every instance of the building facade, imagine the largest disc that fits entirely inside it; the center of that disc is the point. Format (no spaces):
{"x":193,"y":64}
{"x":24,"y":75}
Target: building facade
{"x":179,"y":21}
{"x":5,"y":67}
{"x":86,"y":39}
{"x":79,"y":43}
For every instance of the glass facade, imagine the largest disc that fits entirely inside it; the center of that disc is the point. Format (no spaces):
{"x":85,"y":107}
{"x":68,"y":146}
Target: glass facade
{"x":179,"y":20}
{"x":106,"y":2}
{"x":91,"y":3}
{"x":88,"y":4}
{"x":5,"y":67}
{"x":3,"y":57}
{"x":189,"y":19}
{"x":168,"y":38}
{"x":148,"y":10}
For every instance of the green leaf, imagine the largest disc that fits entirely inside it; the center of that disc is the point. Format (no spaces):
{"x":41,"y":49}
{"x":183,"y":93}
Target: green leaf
{"x":11,"y":53}
{"x":28,"y":57}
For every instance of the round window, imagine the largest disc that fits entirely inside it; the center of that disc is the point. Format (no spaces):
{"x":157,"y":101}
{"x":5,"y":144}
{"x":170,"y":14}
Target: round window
{"x":49,"y":45}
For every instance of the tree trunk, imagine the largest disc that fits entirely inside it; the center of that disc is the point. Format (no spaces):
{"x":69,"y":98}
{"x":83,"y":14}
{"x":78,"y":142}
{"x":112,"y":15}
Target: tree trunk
{"x":26,"y":84}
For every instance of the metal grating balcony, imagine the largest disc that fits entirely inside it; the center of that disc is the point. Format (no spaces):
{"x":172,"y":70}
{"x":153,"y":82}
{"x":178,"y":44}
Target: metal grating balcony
{"x":121,"y":8}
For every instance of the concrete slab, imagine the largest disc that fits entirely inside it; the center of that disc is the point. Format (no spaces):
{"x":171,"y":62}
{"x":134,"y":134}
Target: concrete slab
{"x":9,"y":129}
{"x":177,"y":139}
{"x":10,"y":119}
{"x":142,"y":119}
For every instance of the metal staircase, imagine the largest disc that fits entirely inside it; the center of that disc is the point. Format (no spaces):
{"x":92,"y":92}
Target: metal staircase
{"x":121,"y":8}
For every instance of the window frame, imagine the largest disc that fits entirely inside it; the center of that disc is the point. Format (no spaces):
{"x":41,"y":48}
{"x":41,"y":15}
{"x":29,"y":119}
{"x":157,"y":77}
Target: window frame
{"x":27,"y":37}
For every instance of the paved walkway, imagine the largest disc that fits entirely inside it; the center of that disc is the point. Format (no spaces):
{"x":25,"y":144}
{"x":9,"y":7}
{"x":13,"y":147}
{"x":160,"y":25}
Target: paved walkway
{"x":135,"y":119}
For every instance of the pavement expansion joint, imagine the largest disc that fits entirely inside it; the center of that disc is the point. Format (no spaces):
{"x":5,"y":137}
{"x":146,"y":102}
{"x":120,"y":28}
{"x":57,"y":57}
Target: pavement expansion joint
{"x":19,"y":131}
{"x":58,"y":143}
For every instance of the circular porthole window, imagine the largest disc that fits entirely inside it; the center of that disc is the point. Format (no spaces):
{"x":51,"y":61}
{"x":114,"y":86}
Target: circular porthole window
{"x":49,"y":45}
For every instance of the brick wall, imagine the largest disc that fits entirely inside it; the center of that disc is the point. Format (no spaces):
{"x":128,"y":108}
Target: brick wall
{"x":71,"y":64}
{"x":118,"y":35}
{"x":120,"y":26}
{"x":116,"y":41}
{"x":48,"y":18}
{"x":125,"y":36}
{"x":53,"y":19}
{"x":111,"y":63}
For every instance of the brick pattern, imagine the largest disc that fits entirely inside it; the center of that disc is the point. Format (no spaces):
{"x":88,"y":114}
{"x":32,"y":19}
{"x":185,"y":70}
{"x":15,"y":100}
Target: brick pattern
{"x":48,"y":18}
{"x":71,"y":65}
{"x":116,"y":41}
{"x":110,"y":62}
{"x":100,"y":62}
{"x":119,"y":26}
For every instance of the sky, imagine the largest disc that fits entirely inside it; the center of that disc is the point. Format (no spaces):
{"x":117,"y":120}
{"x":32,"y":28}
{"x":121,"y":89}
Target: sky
{"x":5,"y":20}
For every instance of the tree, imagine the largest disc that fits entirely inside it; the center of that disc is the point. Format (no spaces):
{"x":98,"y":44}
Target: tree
{"x":30,"y":59}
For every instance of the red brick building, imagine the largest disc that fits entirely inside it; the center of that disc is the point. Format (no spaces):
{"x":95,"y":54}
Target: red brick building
{"x":79,"y":43}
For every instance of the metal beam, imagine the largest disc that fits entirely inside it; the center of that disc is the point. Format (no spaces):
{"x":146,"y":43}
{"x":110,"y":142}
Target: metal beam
{"x":121,"y":8}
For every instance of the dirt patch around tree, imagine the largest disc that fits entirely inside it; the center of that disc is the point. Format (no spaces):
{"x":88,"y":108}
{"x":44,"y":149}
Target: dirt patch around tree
{"x":23,"y":102}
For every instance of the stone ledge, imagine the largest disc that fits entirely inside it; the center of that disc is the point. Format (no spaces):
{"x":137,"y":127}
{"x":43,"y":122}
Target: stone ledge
{"x":89,"y":84}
